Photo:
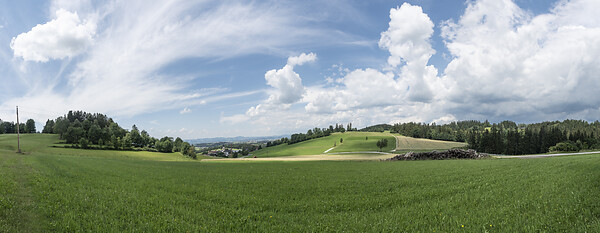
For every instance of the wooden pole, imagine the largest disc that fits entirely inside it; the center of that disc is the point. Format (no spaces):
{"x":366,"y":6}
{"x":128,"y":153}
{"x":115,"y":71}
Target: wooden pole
{"x":18,"y":133}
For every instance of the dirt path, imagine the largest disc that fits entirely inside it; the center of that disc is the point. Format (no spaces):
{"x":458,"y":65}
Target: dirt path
{"x":542,"y":156}
{"x":397,"y":143}
{"x":329,"y":150}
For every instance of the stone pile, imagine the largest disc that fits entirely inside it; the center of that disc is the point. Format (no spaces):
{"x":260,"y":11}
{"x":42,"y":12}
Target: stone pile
{"x":439,"y":155}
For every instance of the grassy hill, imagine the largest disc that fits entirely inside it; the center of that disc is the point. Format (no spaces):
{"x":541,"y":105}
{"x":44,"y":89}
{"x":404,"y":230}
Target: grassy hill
{"x":353,"y":141}
{"x":356,"y":142}
{"x":420,"y":144}
{"x":69,"y":190}
{"x":364,"y":141}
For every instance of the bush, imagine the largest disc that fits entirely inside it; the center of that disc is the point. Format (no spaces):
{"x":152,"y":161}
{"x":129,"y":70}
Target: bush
{"x":564,"y":147}
{"x":84,"y":143}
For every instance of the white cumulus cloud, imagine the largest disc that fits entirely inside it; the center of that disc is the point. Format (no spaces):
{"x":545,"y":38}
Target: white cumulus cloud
{"x":301,"y":59}
{"x":286,"y":83}
{"x":408,"y":41}
{"x":508,"y":63}
{"x":65,"y":36}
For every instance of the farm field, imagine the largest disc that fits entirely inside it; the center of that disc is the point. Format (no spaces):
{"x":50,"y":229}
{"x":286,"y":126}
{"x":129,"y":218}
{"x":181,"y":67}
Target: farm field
{"x":48,"y":189}
{"x":421,"y":144}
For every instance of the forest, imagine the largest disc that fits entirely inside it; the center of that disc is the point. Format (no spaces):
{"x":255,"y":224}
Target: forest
{"x":509,"y":138}
{"x":97,"y":131}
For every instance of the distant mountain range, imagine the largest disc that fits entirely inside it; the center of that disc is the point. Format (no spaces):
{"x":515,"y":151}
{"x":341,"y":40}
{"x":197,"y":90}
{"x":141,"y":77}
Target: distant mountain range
{"x":235,"y":139}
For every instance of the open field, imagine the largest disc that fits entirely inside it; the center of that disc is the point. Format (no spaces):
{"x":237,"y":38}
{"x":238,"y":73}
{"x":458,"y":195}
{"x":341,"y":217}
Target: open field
{"x":45,"y":190}
{"x":353,"y":141}
{"x":364,"y":141}
{"x":421,"y":144}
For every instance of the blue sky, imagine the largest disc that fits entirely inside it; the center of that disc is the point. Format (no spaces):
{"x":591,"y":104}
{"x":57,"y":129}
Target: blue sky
{"x":198,"y":69}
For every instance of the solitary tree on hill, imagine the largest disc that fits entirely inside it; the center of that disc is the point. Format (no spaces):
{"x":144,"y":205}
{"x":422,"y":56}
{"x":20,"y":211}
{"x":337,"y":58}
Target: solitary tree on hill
{"x":382,"y":143}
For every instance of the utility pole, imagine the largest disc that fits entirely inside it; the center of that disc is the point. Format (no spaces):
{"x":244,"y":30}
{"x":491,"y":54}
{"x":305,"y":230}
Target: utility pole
{"x":18,"y":133}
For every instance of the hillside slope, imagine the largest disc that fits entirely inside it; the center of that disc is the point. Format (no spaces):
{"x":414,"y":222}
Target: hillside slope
{"x":421,"y":144}
{"x":356,"y":142}
{"x":352,"y":142}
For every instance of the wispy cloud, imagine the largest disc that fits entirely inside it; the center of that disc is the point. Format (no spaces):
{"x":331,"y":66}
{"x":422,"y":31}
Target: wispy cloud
{"x":185,"y":110}
{"x":118,"y":73}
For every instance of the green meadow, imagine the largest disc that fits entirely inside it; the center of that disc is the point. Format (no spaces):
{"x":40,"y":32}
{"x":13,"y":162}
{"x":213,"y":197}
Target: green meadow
{"x":71,"y":190}
{"x":352,"y":142}
{"x":364,"y":141}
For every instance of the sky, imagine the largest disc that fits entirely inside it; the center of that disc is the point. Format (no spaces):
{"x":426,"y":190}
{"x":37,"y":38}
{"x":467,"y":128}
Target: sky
{"x":198,"y":69}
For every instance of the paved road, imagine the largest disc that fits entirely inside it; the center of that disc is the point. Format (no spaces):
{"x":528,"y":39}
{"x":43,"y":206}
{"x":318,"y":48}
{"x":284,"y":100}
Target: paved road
{"x":542,"y":156}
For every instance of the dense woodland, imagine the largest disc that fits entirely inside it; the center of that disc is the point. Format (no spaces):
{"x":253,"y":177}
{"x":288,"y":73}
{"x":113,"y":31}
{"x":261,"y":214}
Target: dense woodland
{"x":96,"y":130}
{"x":509,"y":138}
{"x":312,"y":134}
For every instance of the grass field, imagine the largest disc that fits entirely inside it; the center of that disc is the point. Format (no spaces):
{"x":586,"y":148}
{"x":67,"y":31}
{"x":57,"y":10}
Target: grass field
{"x":353,"y":141}
{"x":421,"y":144}
{"x":364,"y":141}
{"x":48,"y":189}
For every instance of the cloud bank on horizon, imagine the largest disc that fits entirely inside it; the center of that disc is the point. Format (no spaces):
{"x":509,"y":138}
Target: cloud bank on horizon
{"x":504,"y":62}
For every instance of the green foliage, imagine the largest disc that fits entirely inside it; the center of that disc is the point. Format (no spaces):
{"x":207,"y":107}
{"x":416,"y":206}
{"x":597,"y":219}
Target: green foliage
{"x":165,"y":144}
{"x":11,"y":127}
{"x":84,"y":143}
{"x":30,"y":126}
{"x":566,"y":146}
{"x":49,"y":127}
{"x":377,"y":128}
{"x":102,"y":132}
{"x":382,"y":143}
{"x":507,"y":137}
{"x":312,"y":134}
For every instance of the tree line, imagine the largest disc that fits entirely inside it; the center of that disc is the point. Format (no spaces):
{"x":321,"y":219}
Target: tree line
{"x":86,"y":130}
{"x":312,"y":134}
{"x":11,"y":127}
{"x":508,"y":137}
{"x":568,"y":135}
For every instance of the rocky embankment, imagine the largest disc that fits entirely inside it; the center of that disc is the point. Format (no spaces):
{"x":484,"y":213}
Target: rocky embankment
{"x":439,"y":155}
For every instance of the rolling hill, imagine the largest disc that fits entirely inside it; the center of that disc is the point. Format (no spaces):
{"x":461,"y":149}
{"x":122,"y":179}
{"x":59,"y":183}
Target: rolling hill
{"x":355,"y":142}
{"x":421,"y":144}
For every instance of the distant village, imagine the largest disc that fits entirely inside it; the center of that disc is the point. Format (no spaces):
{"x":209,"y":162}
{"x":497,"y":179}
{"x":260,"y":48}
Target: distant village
{"x":225,"y":152}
